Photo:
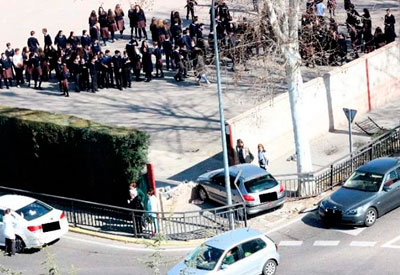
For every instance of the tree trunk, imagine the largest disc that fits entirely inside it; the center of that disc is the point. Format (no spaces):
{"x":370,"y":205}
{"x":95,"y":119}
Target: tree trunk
{"x":288,"y":39}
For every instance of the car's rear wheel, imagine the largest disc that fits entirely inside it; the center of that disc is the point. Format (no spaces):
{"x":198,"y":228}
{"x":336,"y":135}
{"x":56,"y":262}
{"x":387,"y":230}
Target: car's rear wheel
{"x":202,"y":193}
{"x":269,"y":267}
{"x":370,"y":217}
{"x":19,"y":245}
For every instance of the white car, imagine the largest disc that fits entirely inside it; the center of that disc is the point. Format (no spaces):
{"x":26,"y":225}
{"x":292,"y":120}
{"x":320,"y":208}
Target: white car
{"x":238,"y":252}
{"x":36,"y":223}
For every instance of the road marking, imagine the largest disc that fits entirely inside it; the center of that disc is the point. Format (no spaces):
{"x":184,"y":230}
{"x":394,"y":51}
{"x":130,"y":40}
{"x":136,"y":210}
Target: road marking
{"x":362,"y":244}
{"x":390,"y":243}
{"x":326,"y":243}
{"x":290,"y":243}
{"x":128,"y":247}
{"x":352,"y":232}
{"x":284,"y":225}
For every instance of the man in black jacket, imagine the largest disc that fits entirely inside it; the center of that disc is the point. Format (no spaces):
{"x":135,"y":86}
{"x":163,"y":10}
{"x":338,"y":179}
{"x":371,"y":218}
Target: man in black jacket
{"x":179,"y":64}
{"x":47,"y":39}
{"x":93,"y":69}
{"x":118,"y":64}
{"x":168,"y":49}
{"x":33,"y":43}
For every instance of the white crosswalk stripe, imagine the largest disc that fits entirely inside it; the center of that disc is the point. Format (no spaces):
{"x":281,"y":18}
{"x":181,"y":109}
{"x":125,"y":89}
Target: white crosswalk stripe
{"x":326,"y":243}
{"x":290,"y":243}
{"x":362,"y":244}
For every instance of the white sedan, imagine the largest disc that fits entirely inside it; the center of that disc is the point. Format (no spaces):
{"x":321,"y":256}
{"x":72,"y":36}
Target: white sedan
{"x":239,"y":252}
{"x":36,"y":223}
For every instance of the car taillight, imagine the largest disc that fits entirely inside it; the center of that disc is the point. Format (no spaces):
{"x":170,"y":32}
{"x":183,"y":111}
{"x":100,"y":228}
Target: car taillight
{"x":62,"y":216}
{"x":34,"y":228}
{"x":248,"y":198}
{"x":281,"y":189}
{"x":276,"y":246}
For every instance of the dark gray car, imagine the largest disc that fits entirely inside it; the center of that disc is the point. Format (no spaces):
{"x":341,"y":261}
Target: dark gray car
{"x":259,"y":189}
{"x":371,"y":191}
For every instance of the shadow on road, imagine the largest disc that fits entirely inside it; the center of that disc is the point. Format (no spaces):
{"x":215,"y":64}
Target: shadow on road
{"x":312,"y":219}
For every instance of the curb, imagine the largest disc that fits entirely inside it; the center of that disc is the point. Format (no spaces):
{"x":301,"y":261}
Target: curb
{"x":145,"y":242}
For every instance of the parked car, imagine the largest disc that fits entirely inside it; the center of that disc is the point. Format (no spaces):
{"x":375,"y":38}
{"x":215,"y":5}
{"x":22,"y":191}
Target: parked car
{"x":37,"y":223}
{"x":259,"y":189}
{"x":371,"y":191}
{"x":242,"y":251}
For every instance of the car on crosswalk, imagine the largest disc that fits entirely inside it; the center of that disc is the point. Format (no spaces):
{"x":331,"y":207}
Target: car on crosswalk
{"x":242,"y":251}
{"x":370,"y":192}
{"x":35,"y":222}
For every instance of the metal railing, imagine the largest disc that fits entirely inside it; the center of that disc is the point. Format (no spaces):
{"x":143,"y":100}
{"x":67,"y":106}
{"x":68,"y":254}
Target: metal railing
{"x":143,"y":224}
{"x":299,"y":186}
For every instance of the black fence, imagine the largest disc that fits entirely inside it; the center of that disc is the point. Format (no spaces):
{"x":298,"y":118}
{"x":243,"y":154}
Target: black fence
{"x":142,"y":224}
{"x":300,"y":186}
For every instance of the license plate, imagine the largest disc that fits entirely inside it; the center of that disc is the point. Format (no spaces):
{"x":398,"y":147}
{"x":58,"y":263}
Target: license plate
{"x":46,"y":227}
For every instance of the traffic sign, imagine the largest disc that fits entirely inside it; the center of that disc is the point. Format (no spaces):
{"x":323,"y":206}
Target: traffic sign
{"x":350,"y":114}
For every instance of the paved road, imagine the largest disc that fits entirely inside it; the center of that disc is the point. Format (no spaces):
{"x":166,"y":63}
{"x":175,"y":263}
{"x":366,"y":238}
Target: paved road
{"x":306,"y":247}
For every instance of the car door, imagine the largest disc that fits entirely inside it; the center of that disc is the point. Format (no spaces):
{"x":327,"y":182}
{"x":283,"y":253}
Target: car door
{"x":218,"y":183}
{"x":390,"y":191}
{"x":232,"y":262}
{"x":254,"y":256}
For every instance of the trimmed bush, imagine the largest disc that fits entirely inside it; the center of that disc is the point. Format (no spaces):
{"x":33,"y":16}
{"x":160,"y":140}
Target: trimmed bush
{"x":69,"y":156}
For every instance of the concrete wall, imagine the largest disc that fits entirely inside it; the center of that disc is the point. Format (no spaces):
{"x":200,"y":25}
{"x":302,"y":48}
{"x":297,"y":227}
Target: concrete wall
{"x":364,"y":84}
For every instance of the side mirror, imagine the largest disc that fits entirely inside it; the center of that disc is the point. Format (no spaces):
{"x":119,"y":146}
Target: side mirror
{"x":224,"y":266}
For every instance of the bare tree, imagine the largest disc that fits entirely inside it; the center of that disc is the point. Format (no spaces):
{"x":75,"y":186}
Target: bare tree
{"x":284,"y":20}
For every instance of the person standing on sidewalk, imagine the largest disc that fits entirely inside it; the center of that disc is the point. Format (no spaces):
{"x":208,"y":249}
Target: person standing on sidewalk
{"x":136,"y":202}
{"x":262,"y":157}
{"x":9,"y":232}
{"x":243,"y":152}
{"x":152,"y":207}
{"x":190,"y":8}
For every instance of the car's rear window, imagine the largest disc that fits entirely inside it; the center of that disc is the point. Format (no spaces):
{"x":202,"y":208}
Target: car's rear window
{"x":34,"y":210}
{"x":260,"y":184}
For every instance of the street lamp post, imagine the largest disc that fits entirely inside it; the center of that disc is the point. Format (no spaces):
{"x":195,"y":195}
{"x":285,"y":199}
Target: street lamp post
{"x":221,"y":116}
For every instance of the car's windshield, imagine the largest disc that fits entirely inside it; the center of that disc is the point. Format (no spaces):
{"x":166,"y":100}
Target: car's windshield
{"x":34,"y":210}
{"x":204,"y":257}
{"x":364,"y":181}
{"x":260,"y":184}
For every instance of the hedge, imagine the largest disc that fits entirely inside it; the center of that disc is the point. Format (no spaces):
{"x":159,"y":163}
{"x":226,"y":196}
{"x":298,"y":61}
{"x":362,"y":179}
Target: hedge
{"x":68,"y":156}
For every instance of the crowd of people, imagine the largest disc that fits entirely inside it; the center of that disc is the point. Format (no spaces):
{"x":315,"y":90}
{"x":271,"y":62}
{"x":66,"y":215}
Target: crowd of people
{"x":83,"y":62}
{"x":322,"y":43}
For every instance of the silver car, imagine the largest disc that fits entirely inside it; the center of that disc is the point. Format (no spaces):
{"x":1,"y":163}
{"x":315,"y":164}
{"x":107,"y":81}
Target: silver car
{"x":258,"y":188}
{"x":242,"y":251}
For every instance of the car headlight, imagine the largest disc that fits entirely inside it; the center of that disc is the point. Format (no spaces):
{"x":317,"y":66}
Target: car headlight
{"x":352,"y":212}
{"x":322,"y":204}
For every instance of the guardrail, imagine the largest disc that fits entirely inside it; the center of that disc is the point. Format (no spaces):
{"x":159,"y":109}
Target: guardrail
{"x":142,"y":224}
{"x":299,"y":186}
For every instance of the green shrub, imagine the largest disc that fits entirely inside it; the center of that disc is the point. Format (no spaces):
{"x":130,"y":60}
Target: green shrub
{"x":69,"y":156}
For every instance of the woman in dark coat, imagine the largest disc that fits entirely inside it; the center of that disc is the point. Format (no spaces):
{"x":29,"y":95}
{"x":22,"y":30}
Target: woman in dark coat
{"x":146,"y":61}
{"x":133,"y":20}
{"x":60,"y":41}
{"x":92,"y":19}
{"x":119,"y":18}
{"x":103,"y":25}
{"x":112,"y":25}
{"x":141,"y":21}
{"x":6,"y":70}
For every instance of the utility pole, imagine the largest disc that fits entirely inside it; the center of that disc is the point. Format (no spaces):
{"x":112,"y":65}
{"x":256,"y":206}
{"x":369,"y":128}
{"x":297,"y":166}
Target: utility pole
{"x":222,"y":118}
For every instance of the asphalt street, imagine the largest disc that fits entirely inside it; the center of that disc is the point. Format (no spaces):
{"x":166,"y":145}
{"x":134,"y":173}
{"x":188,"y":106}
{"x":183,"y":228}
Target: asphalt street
{"x":305,"y":245}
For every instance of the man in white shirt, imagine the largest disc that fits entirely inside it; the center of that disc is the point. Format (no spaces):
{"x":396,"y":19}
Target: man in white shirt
{"x":320,"y":8}
{"x":18,"y":62}
{"x":9,"y":232}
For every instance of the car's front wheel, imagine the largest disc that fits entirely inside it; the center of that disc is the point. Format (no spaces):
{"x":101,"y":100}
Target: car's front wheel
{"x":202,"y":193}
{"x":19,"y":245}
{"x":370,"y":217}
{"x":269,"y":267}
